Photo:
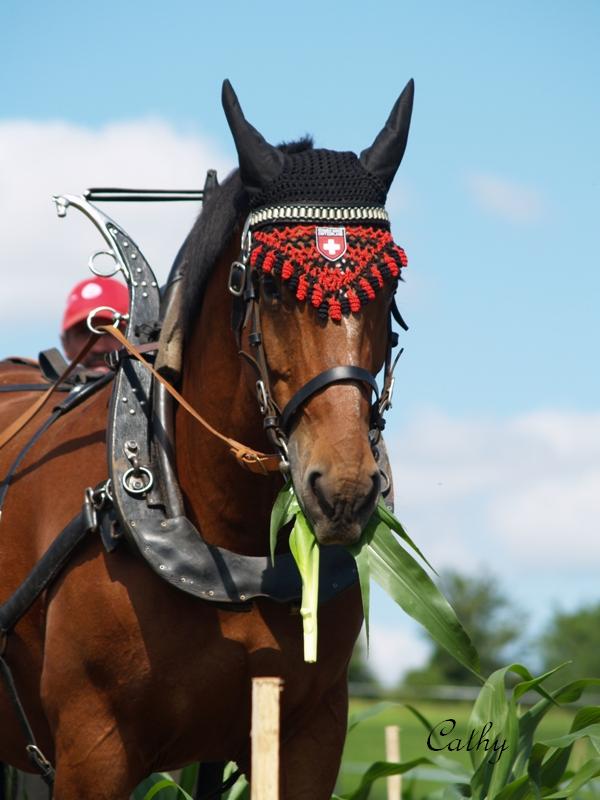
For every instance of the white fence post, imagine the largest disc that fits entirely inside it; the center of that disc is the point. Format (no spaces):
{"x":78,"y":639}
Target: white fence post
{"x":392,"y":753}
{"x":265,"y":738}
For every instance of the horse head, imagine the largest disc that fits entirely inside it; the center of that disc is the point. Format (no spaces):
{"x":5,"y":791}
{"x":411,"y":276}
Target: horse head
{"x":315,"y":285}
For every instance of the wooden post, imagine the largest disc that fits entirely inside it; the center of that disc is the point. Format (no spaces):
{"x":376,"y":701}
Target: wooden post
{"x":392,"y":753}
{"x":265,"y":738}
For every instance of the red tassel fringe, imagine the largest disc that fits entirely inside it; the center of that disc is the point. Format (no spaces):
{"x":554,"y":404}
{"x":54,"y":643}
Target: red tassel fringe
{"x":334,"y":288}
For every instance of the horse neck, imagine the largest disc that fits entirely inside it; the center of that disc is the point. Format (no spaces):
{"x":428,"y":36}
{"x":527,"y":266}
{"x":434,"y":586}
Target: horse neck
{"x":229,"y":505}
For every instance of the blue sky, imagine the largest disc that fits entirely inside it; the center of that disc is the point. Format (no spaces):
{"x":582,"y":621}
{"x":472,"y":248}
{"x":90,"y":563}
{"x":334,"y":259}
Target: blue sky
{"x":496,"y":205}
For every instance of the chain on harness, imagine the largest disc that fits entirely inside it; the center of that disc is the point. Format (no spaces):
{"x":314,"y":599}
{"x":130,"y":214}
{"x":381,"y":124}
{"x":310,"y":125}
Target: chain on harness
{"x":337,"y":269}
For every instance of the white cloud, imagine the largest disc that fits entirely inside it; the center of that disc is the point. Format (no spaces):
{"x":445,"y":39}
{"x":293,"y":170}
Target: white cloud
{"x":518,"y":498}
{"x":521,"y":492}
{"x":394,"y":650}
{"x":507,"y":199}
{"x":43,"y":256}
{"x":554,"y":520}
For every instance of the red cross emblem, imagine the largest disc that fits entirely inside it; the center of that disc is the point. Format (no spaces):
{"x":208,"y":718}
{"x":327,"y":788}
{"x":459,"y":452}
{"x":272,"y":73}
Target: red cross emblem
{"x":331,"y":242}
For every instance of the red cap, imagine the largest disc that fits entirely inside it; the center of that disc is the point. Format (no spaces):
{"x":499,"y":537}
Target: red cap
{"x":91,"y":293}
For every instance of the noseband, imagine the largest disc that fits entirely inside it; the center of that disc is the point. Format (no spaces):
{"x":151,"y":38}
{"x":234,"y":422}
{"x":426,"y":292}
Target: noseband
{"x":356,"y":284}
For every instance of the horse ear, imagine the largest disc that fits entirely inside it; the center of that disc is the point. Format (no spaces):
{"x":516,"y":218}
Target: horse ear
{"x":259,"y":161}
{"x":383,"y":158}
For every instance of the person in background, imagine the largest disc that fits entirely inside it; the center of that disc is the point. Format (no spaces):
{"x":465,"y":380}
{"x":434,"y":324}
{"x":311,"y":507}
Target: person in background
{"x":84,"y":297}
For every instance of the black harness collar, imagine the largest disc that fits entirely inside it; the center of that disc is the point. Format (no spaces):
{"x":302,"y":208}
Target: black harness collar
{"x":143,"y":493}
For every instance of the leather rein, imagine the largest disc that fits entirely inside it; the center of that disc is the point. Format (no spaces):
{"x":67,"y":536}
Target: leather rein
{"x":243,"y":285}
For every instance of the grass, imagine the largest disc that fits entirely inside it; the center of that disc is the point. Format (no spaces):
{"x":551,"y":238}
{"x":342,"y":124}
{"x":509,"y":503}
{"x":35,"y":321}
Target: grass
{"x":365,"y":744}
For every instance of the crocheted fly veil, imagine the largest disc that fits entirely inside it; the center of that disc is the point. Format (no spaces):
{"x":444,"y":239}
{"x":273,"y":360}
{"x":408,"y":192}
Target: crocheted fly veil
{"x":317,"y":219}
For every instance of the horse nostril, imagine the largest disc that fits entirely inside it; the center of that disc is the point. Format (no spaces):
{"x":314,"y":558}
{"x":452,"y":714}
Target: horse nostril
{"x":360,"y":501}
{"x":313,"y":478}
{"x":316,"y":487}
{"x":370,"y":499}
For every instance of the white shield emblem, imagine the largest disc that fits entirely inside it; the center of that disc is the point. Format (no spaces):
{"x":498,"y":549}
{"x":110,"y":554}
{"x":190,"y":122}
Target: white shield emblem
{"x":331,"y":242}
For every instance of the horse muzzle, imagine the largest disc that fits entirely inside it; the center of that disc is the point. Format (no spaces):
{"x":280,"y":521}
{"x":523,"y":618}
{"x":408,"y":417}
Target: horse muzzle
{"x":338,"y":499}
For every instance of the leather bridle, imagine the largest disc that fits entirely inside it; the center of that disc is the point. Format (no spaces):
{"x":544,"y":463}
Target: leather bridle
{"x":277,"y":422}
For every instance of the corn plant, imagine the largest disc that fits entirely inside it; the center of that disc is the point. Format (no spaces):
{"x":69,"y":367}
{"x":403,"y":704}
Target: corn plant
{"x":162,"y":786}
{"x":380,"y":555}
{"x":521,"y":767}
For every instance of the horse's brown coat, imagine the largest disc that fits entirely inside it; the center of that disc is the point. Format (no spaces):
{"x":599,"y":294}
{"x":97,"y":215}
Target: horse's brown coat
{"x":120,"y":673}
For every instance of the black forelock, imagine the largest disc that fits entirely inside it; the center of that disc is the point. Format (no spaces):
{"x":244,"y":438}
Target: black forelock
{"x":299,"y":146}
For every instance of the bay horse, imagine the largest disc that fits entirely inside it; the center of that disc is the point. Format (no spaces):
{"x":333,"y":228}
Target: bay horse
{"x":121,"y":674}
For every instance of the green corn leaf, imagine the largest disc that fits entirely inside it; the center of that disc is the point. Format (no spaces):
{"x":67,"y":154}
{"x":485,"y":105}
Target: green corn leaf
{"x":494,"y":712}
{"x":424,"y":722}
{"x":535,"y":683}
{"x":452,"y":793}
{"x":519,"y":789}
{"x":452,"y":769}
{"x":590,"y":770}
{"x":167,"y":783}
{"x":536,"y":759}
{"x":588,"y":715}
{"x":361,"y":556}
{"x":240,"y":790}
{"x":591,"y":731}
{"x":585,"y":717}
{"x":189,"y":776}
{"x":168,"y":791}
{"x":371,"y":711}
{"x":442,"y":762}
{"x":546,"y":771}
{"x":408,"y":584}
{"x":569,"y":693}
{"x":553,"y":769}
{"x":381,"y":769}
{"x":383,"y":513}
{"x":286,"y":506}
{"x":305,"y":550}
{"x":379,"y":554}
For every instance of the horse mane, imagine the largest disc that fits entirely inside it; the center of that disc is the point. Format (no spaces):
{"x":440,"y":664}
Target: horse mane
{"x":221,"y":214}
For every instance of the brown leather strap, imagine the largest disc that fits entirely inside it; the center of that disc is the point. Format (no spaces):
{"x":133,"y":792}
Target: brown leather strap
{"x":253,"y":460}
{"x":20,"y":422}
{"x":149,"y":347}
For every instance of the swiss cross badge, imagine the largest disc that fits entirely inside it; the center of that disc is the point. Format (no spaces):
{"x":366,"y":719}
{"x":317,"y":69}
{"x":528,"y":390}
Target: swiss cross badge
{"x":331,"y":242}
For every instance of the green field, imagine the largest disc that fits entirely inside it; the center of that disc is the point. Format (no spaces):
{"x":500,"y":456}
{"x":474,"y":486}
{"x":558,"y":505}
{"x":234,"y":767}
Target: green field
{"x":366,"y":743}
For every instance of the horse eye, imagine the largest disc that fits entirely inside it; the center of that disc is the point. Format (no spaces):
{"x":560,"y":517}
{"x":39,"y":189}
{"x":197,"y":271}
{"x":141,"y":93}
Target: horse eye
{"x":269,"y":287}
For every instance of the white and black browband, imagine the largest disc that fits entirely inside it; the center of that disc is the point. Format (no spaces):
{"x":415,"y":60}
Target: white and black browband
{"x":309,"y":213}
